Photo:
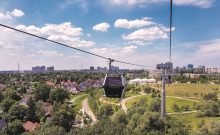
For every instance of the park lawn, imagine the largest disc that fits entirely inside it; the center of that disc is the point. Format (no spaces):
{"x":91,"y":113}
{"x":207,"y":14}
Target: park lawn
{"x":189,"y":90}
{"x":180,"y":102}
{"x":134,"y":92}
{"x":77,"y":95}
{"x":192,"y":120}
{"x":112,"y":100}
{"x":131,"y":93}
{"x":132,"y":101}
{"x":78,"y":102}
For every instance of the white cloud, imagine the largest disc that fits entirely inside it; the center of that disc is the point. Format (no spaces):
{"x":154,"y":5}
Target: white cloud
{"x":137,"y":23}
{"x":83,"y":4}
{"x":101,"y":27}
{"x":208,"y":49}
{"x":65,"y":28}
{"x":128,"y":54}
{"x":75,"y":42}
{"x":147,"y":34}
{"x":48,"y":53}
{"x":197,"y":3}
{"x":64,"y":32}
{"x":100,"y":50}
{"x":74,"y":56}
{"x":11,"y":14}
{"x":15,"y":47}
{"x":139,"y":43}
{"x":88,"y":35}
{"x":17,"y":13}
{"x":129,"y":48}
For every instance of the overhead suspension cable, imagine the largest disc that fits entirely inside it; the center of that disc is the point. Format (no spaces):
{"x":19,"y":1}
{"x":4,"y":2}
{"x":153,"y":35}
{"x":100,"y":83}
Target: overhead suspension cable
{"x":65,"y":45}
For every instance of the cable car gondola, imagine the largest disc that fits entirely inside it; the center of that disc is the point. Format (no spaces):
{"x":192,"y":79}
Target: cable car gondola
{"x":114,"y":84}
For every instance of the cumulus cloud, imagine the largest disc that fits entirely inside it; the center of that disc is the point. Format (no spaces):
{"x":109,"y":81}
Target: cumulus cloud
{"x":75,"y":42}
{"x":137,"y":23}
{"x":11,"y":14}
{"x":48,"y":53}
{"x":65,"y":28}
{"x":147,"y":34}
{"x":17,"y":13}
{"x":139,"y":43}
{"x":64,"y":32}
{"x":197,"y":3}
{"x":129,"y":48}
{"x":101,"y":27}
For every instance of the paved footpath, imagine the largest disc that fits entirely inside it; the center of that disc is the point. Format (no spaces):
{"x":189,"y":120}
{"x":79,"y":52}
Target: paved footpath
{"x":177,"y":113}
{"x":88,"y":111}
{"x":123,"y":102}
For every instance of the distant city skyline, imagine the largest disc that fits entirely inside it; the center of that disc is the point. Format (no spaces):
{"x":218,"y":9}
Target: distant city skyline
{"x":126,"y":30}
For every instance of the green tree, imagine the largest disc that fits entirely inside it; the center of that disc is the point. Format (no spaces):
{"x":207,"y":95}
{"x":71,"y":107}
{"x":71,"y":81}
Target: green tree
{"x":119,"y":117}
{"x":211,"y":96}
{"x":208,"y":108}
{"x":59,"y":95}
{"x":31,"y":110}
{"x":105,"y":111}
{"x":6,"y":104}
{"x":15,"y":128}
{"x":63,"y":117}
{"x":185,"y":107}
{"x":175,"y":108}
{"x":215,"y":128}
{"x":22,"y":90}
{"x":176,"y":127}
{"x":103,"y":127}
{"x":1,"y":97}
{"x":155,"y":105}
{"x":17,"y":112}
{"x":42,"y":92}
{"x":12,"y":94}
{"x":52,"y":130}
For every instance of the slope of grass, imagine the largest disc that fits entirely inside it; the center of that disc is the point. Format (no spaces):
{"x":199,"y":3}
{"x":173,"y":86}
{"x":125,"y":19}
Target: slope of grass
{"x":180,"y":102}
{"x":189,"y":90}
{"x":193,"y":120}
{"x":78,"y":102}
{"x":132,"y":101}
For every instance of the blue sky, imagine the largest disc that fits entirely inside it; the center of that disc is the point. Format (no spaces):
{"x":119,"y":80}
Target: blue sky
{"x":136,"y":31}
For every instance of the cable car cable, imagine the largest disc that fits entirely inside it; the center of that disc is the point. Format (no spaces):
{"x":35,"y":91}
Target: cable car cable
{"x":65,"y":45}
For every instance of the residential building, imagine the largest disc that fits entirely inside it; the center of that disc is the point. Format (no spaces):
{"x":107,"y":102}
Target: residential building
{"x":190,"y":67}
{"x":102,"y":70}
{"x":213,"y":70}
{"x":200,"y":69}
{"x":142,"y":81}
{"x":155,"y":73}
{"x":39,"y":69}
{"x":30,"y":126}
{"x":92,"y":68}
{"x":114,"y":69}
{"x":50,"y":69}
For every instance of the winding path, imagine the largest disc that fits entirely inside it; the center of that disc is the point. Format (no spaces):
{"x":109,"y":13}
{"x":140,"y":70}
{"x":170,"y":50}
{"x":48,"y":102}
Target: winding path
{"x":123,"y":102}
{"x":86,"y":109}
{"x":175,"y":113}
{"x":184,"y":98}
{"x":89,"y":112}
{"x":124,"y":107}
